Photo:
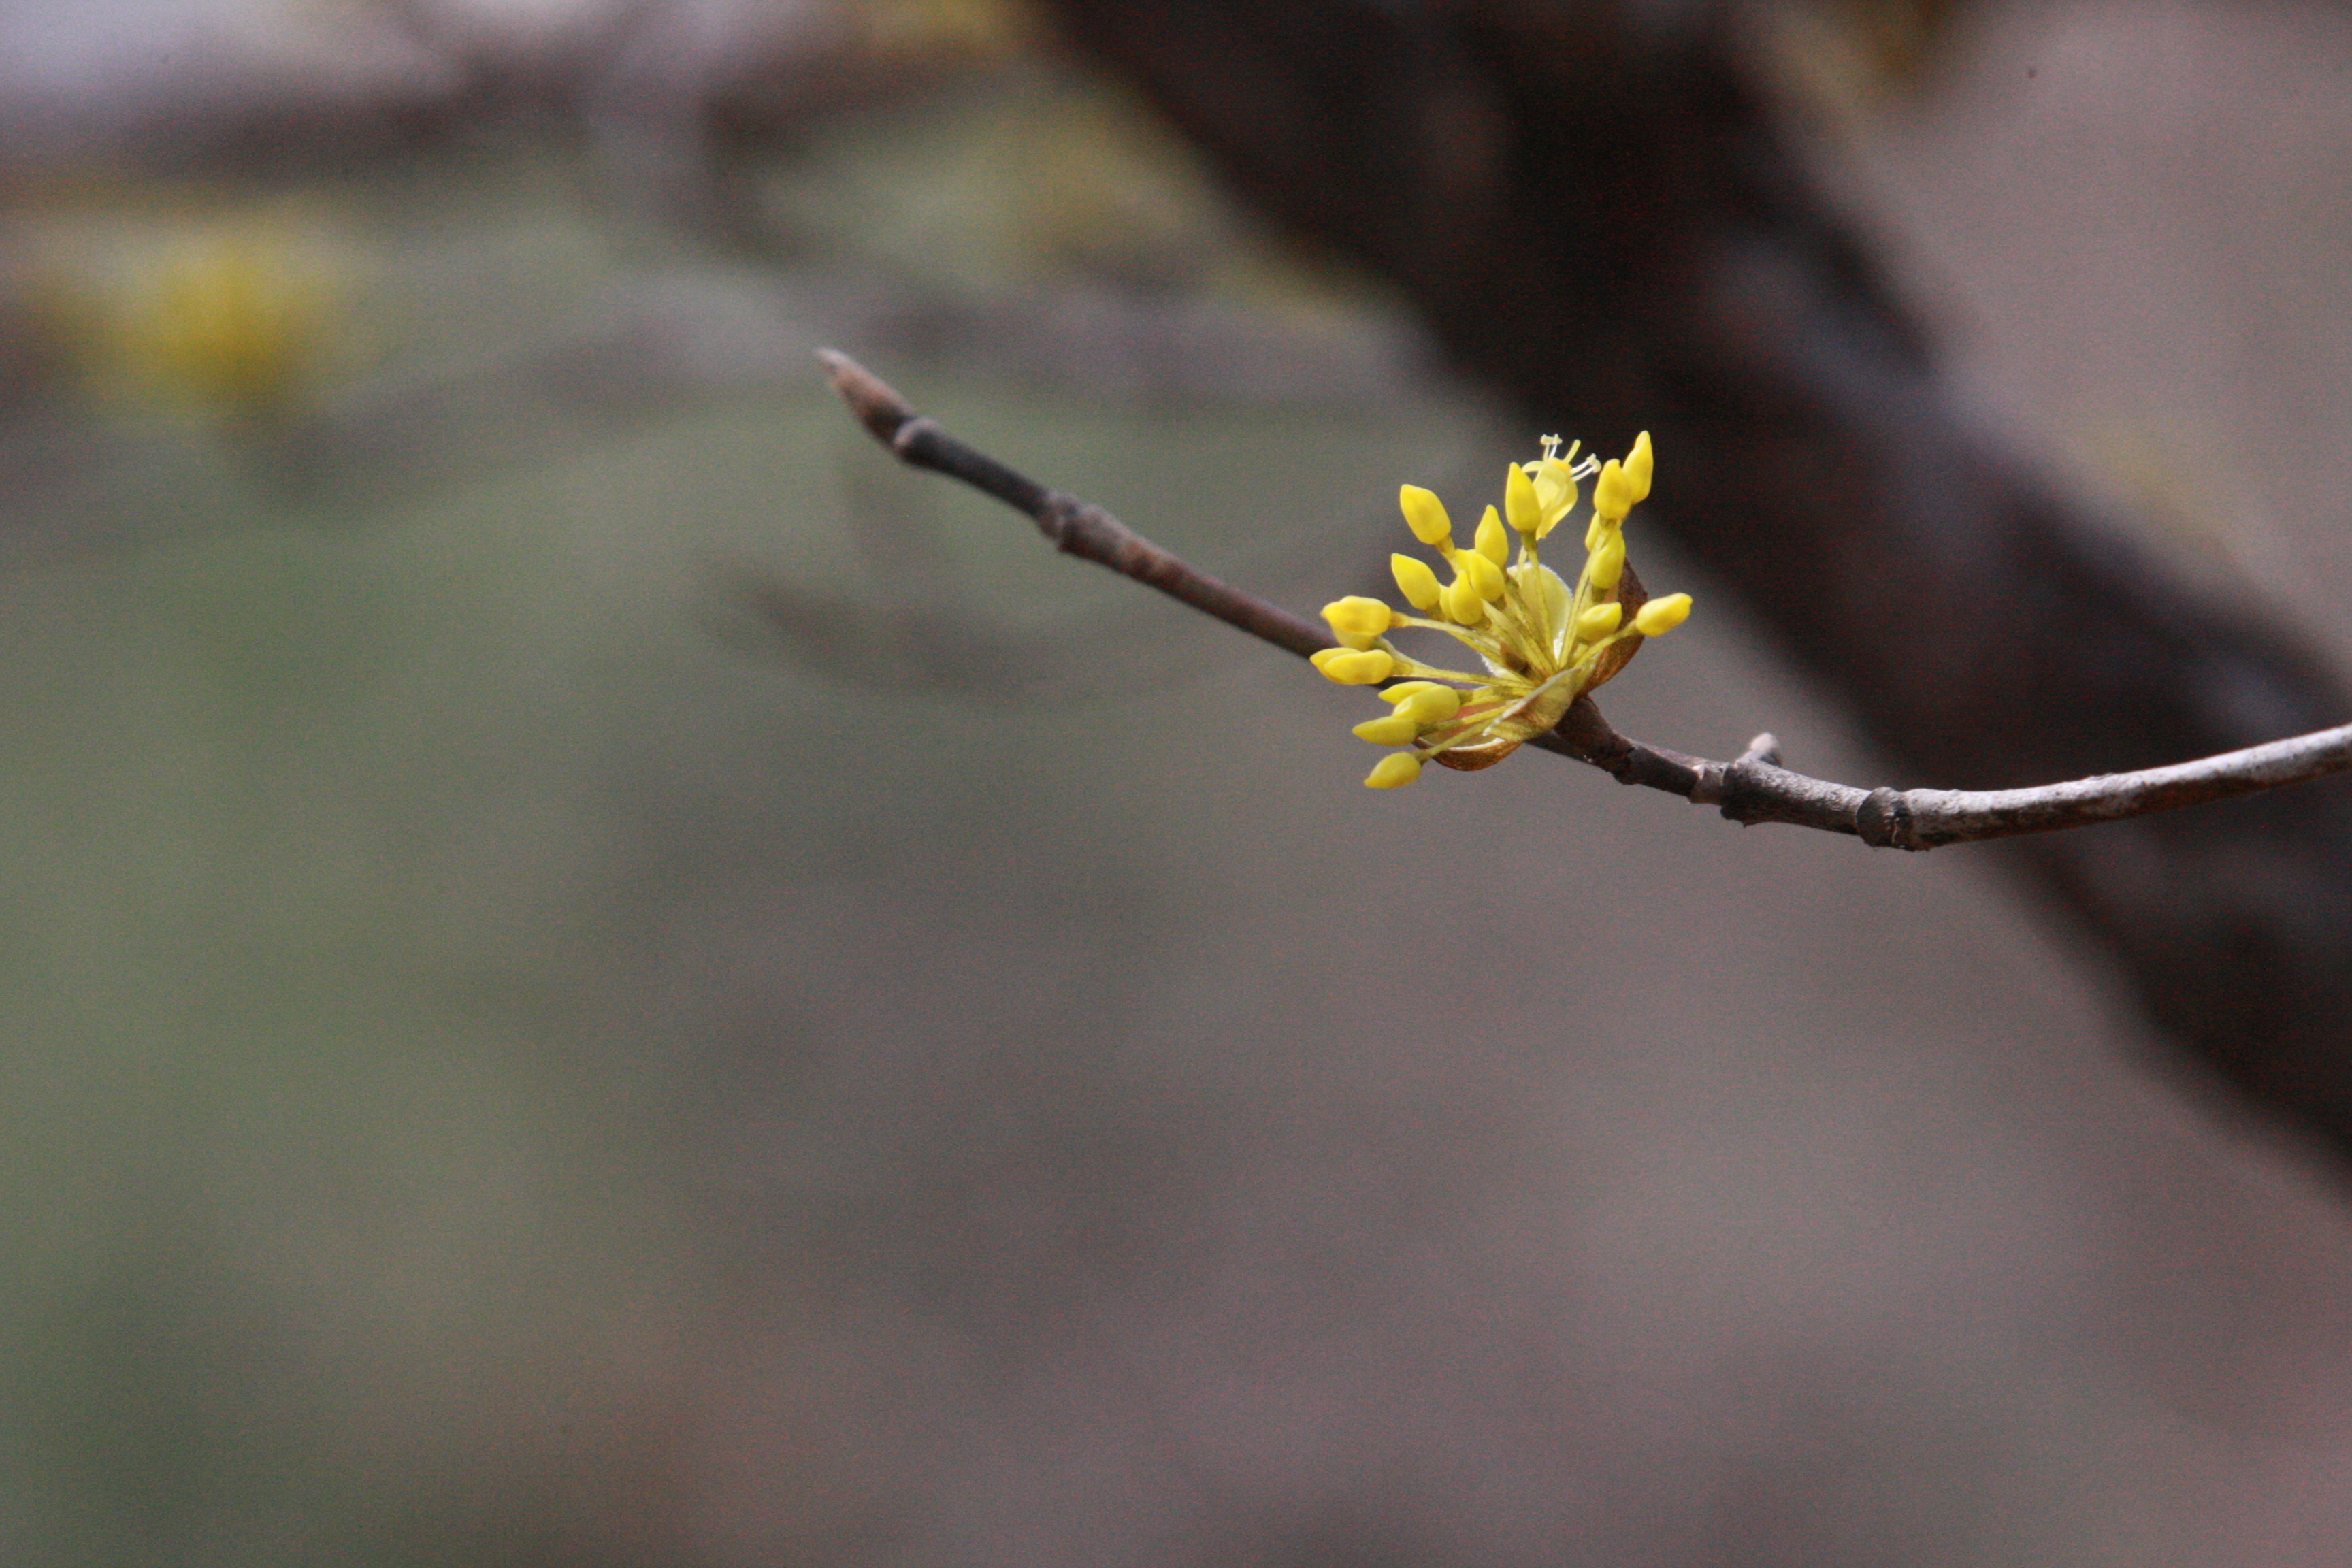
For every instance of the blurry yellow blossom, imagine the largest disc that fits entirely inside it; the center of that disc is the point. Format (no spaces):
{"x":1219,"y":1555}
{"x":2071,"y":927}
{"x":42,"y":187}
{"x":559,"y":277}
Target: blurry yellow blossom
{"x":234,"y":321}
{"x":1542,"y":643}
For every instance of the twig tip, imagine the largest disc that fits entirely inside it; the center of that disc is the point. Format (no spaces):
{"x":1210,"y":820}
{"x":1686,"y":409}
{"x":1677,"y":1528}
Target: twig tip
{"x":876,"y":403}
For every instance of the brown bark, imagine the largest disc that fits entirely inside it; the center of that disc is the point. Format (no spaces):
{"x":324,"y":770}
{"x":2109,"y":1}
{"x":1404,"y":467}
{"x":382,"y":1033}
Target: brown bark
{"x":1598,"y":210}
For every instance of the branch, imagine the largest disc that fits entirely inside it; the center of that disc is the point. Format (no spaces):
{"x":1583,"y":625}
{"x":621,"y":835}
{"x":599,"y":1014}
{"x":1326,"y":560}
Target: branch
{"x":1076,"y":528}
{"x":1751,"y":788}
{"x":1532,"y":174}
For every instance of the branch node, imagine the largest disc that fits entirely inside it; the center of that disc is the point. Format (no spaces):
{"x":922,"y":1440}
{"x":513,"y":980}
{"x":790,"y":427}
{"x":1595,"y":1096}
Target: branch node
{"x":1883,"y":821}
{"x":1765,"y":748}
{"x":1590,"y":737}
{"x":1745,"y":793}
{"x":1061,"y":519}
{"x":909,"y":433}
{"x":1082,"y":529}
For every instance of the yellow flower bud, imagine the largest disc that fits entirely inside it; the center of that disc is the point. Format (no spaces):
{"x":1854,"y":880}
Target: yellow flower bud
{"x":1463,"y":604}
{"x":1492,"y":542}
{"x":1415,"y":581}
{"x":1406,"y":689}
{"x":1520,"y":499}
{"x":1476,"y":569}
{"x":1356,"y":620}
{"x":1431,"y":705}
{"x":1662,"y":615}
{"x":1425,"y":515}
{"x":1607,"y":562}
{"x":1614,"y":492}
{"x":1638,"y":463}
{"x":1394,"y":772}
{"x":1349,"y":666}
{"x":1387,"y":730}
{"x":1598,"y":622}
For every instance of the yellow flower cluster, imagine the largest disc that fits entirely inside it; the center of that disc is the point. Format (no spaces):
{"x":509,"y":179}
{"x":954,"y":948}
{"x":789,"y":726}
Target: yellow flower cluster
{"x":231,"y":321}
{"x":1542,"y":643}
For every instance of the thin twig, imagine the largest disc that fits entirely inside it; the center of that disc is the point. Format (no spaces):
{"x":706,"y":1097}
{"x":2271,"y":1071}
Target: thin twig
{"x":1751,"y":788}
{"x":1076,"y":527}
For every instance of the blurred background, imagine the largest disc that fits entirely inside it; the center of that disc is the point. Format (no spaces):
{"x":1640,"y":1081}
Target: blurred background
{"x":596,"y":975}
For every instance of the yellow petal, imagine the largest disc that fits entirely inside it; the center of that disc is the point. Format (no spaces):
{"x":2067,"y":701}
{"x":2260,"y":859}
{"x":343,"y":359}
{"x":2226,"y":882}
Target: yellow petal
{"x":1598,"y":622}
{"x":1614,"y":492}
{"x":1349,"y":666}
{"x":1463,"y":604}
{"x":1415,"y":581}
{"x":1607,"y":562}
{"x":1356,"y":620}
{"x":1638,"y":464}
{"x":1556,"y":491}
{"x":1425,"y":515}
{"x":1520,"y":501}
{"x":1483,"y":573}
{"x":1394,"y":772}
{"x":1387,"y":730}
{"x":1492,"y":542}
{"x":1661,"y":616}
{"x":1431,"y":705}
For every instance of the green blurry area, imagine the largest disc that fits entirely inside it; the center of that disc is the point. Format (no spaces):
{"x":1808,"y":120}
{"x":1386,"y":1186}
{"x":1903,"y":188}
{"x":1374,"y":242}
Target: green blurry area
{"x":341,"y":1096}
{"x":346,"y":1087}
{"x":422,"y":916}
